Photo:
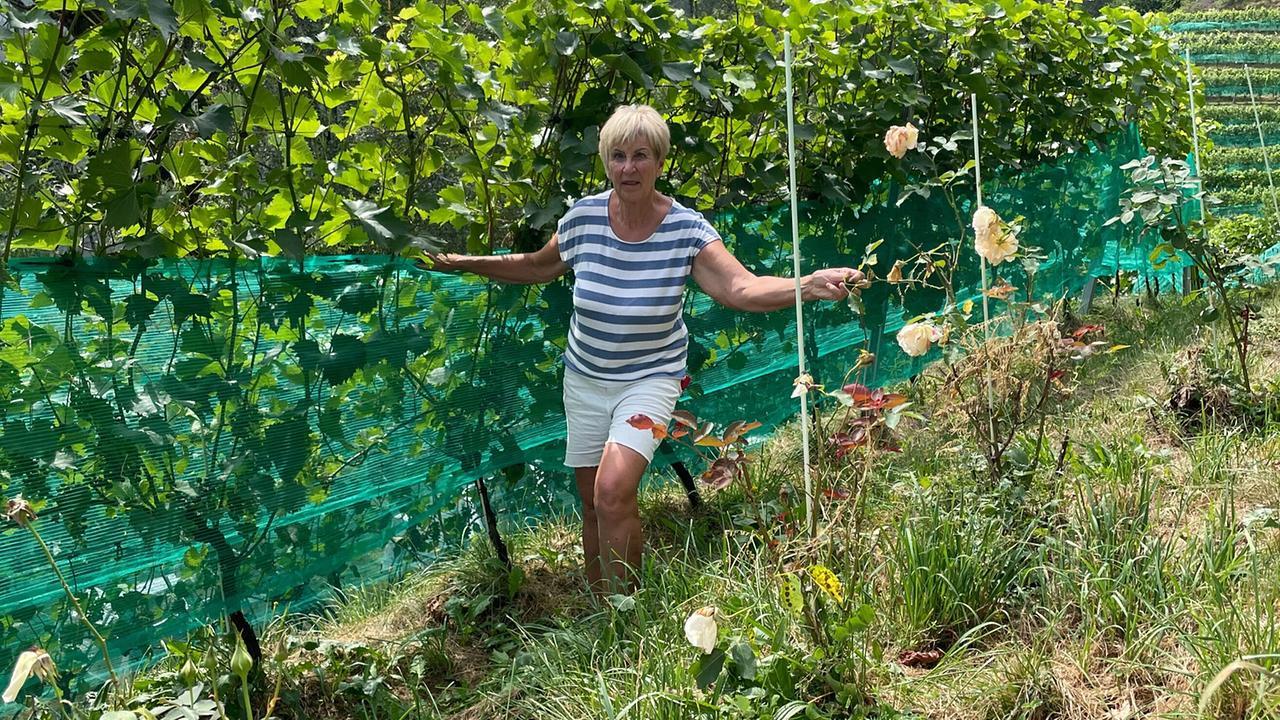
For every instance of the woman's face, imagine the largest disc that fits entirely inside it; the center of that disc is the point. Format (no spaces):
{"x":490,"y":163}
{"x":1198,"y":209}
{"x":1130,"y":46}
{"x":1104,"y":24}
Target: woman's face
{"x":634,"y":168}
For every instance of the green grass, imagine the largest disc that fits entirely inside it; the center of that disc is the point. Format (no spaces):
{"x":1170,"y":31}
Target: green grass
{"x":1120,"y":582}
{"x":1120,"y":575}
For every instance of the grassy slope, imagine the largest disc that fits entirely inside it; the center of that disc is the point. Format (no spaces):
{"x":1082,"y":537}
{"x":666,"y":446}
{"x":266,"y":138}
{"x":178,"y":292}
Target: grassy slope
{"x":1117,"y":587}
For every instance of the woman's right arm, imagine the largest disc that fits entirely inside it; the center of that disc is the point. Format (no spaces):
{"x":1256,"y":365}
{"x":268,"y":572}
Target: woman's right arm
{"x":532,"y":268}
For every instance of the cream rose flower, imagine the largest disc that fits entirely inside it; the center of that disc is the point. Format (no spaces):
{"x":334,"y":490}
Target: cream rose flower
{"x":898,"y":139}
{"x":915,"y":339}
{"x":700,"y":629}
{"x":32,"y":662}
{"x":991,"y":238}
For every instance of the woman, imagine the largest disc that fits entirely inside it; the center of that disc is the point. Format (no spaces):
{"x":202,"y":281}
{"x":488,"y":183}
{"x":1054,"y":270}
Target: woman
{"x":631,"y":249}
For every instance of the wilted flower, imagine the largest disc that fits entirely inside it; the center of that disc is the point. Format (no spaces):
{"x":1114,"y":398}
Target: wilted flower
{"x":1001,"y":290}
{"x":803,"y":384}
{"x":701,"y":630}
{"x":992,"y":238}
{"x":895,"y":273}
{"x":898,"y":140}
{"x":19,"y":511}
{"x":32,"y":662}
{"x":916,"y":338}
{"x":865,"y":359}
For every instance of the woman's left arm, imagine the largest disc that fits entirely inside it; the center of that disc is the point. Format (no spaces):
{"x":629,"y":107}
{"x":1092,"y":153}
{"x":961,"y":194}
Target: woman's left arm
{"x":729,"y":283}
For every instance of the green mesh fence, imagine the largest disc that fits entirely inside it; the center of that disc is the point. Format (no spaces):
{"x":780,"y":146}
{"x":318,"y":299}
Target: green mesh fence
{"x":1244,"y":136}
{"x":1253,"y":58}
{"x":1223,"y":41}
{"x":203,"y":435}
{"x":1226,"y":26}
{"x":1264,"y":93}
{"x":1234,"y":210}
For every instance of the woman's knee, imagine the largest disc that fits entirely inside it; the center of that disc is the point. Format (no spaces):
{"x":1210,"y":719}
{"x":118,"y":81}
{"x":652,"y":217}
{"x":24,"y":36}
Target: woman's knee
{"x":586,"y":481}
{"x":615,"y":497}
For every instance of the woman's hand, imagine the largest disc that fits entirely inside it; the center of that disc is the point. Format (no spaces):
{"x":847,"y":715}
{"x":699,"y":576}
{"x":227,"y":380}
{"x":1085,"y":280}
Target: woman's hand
{"x":830,"y":284}
{"x":440,"y":262}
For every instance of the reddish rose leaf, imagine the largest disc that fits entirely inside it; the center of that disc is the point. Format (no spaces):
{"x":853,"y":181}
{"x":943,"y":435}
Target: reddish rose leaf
{"x":720,"y":474}
{"x":748,"y":427}
{"x":680,"y":431}
{"x":924,"y":659}
{"x":1083,"y":330}
{"x":640,"y":421}
{"x":860,"y":393}
{"x":704,"y":431}
{"x":892,"y":400}
{"x":847,"y":442}
{"x":836,"y":494}
{"x":685,"y":418}
{"x":734,"y":431}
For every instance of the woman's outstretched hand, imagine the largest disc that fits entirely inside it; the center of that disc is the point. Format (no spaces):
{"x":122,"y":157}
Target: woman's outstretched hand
{"x":831,"y":284}
{"x":440,"y":262}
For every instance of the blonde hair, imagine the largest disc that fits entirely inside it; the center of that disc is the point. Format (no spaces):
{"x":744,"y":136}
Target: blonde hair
{"x":629,"y":122}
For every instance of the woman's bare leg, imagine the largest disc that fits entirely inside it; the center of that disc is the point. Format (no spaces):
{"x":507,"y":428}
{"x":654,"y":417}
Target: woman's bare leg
{"x":617,"y":511}
{"x":586,"y":481}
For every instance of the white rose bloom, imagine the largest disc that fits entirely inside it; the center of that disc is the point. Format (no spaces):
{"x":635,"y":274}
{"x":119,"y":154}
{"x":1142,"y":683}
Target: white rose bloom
{"x":991,"y":239}
{"x":700,"y":629}
{"x":916,"y":338}
{"x":898,"y":139}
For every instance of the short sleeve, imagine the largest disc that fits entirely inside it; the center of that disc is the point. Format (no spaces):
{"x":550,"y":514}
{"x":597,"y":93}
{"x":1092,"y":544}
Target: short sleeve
{"x":568,"y":239}
{"x":704,"y":234}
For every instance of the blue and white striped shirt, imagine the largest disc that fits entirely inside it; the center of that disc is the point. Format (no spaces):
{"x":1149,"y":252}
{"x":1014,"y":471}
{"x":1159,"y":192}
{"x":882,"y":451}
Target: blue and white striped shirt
{"x":628,"y":297}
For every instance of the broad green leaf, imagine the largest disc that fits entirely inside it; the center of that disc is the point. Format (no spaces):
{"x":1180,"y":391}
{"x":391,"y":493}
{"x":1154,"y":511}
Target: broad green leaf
{"x":740,"y":77}
{"x":68,"y":108}
{"x":678,"y":72}
{"x":380,"y":224}
{"x":903,"y":66}
{"x":744,"y":660}
{"x":706,"y":669}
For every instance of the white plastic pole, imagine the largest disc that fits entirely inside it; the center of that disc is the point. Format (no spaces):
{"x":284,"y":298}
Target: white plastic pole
{"x":1195,"y":131}
{"x":1257,"y":121}
{"x":810,"y":511}
{"x":982,"y":263}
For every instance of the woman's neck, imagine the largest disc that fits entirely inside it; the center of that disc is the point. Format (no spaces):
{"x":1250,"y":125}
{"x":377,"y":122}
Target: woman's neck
{"x":638,"y":213}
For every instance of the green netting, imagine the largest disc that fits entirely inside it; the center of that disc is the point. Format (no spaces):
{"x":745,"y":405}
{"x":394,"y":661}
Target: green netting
{"x":1233,"y":210}
{"x":1244,"y":136}
{"x":1269,"y":25}
{"x":1264,"y":93}
{"x":1235,"y":58}
{"x":210,"y":435}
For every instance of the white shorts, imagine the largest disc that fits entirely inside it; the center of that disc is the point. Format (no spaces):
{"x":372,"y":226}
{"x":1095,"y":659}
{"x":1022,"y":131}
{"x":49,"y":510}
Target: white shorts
{"x":597,"y":411}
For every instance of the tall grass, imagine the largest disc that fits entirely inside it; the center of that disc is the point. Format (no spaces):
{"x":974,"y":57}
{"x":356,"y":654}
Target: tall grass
{"x":1123,"y":568}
